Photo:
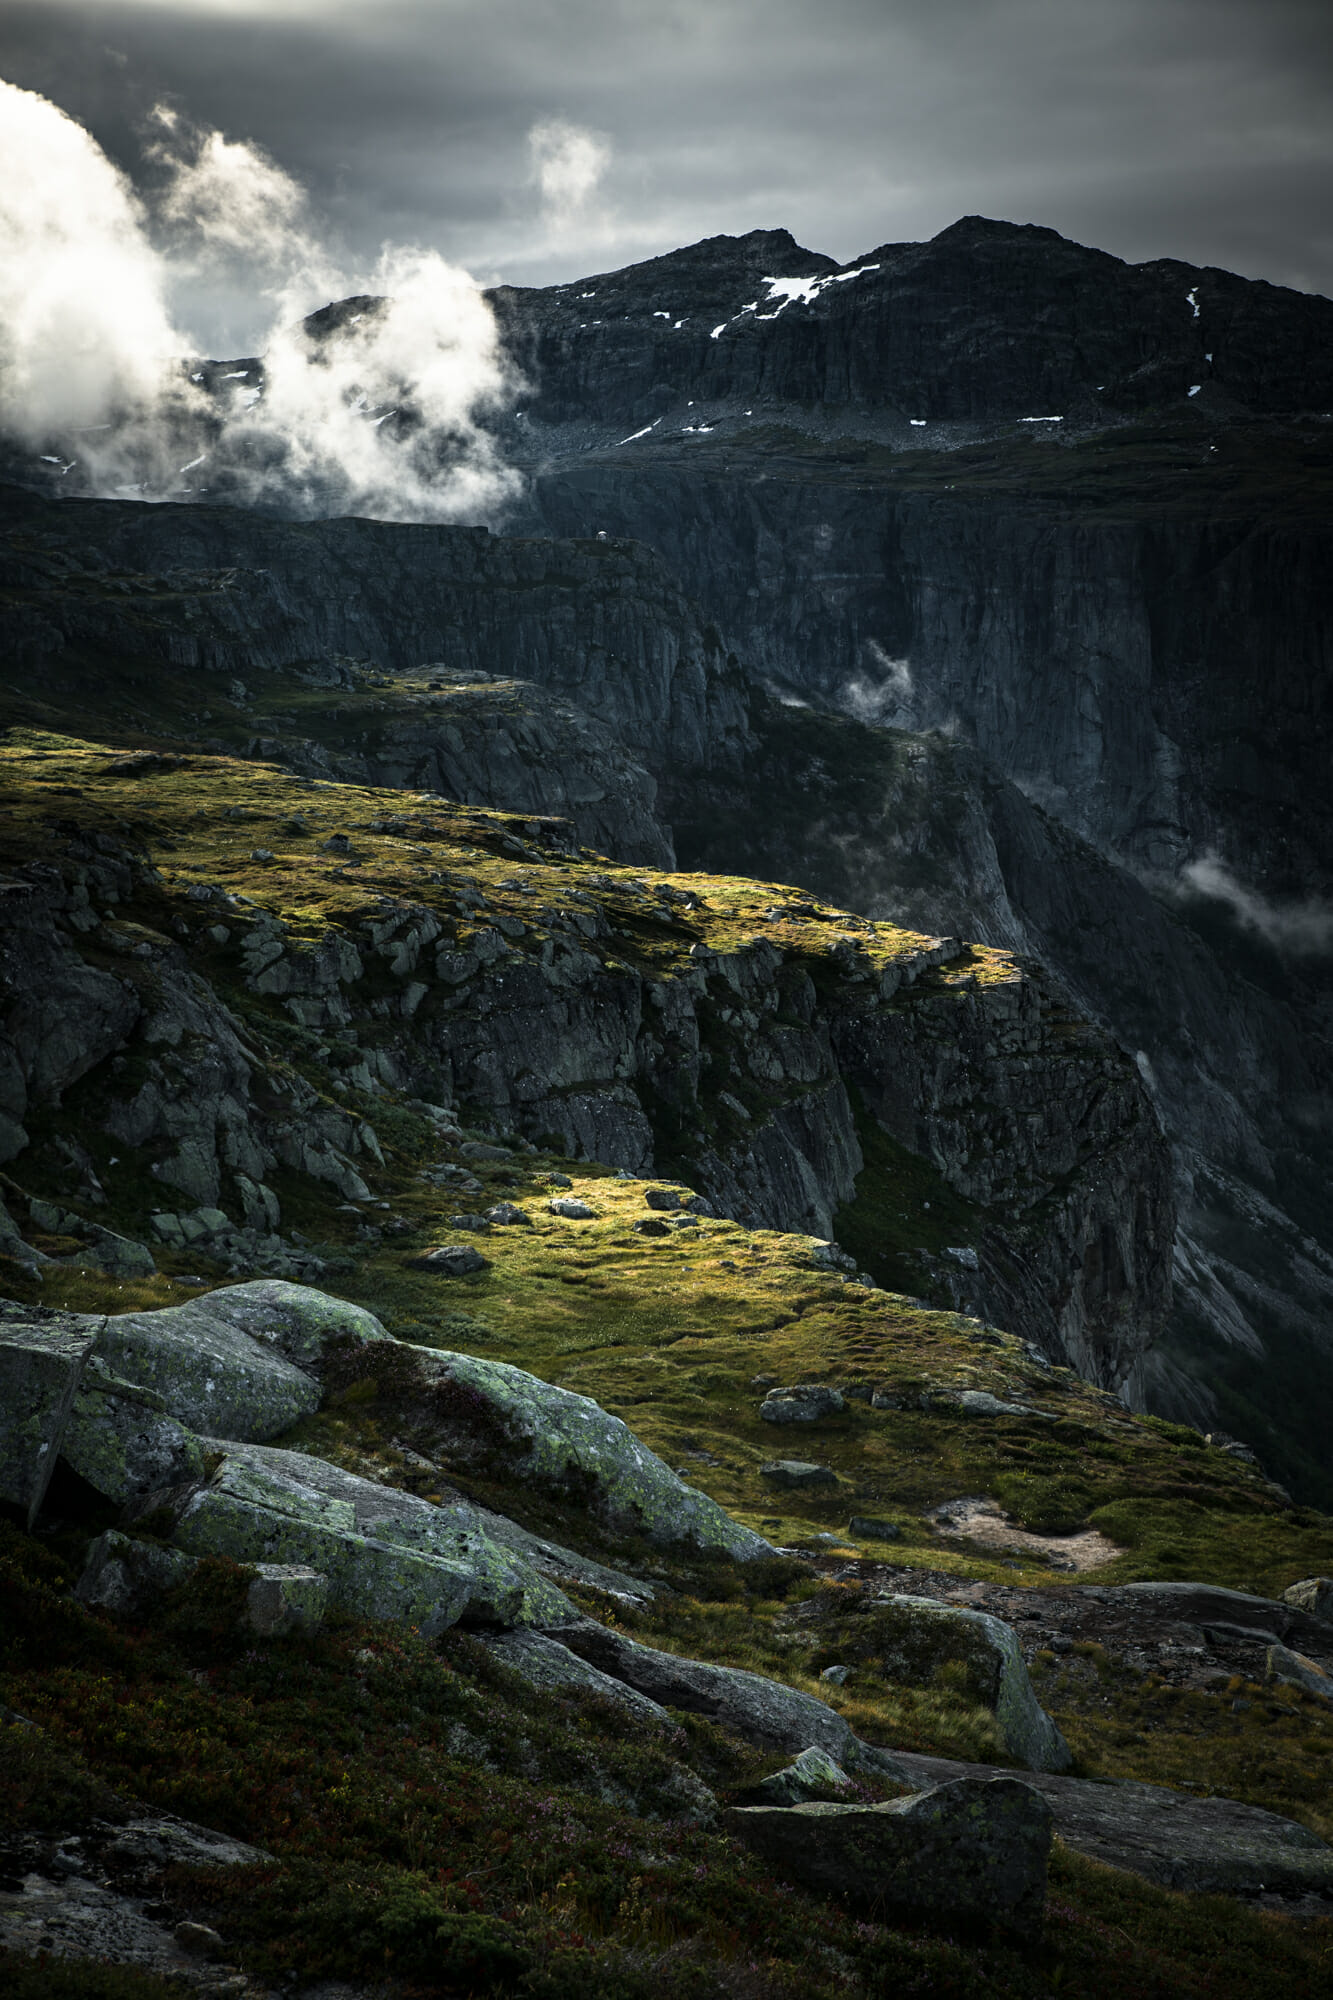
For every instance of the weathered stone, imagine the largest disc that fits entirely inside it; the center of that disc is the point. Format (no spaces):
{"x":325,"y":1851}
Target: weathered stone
{"x":1313,"y":1595}
{"x":1296,"y":1670}
{"x":571,"y":1209}
{"x":762,"y":1711}
{"x":557,"y":1438}
{"x":385,"y":1553}
{"x":1208,"y":1846}
{"x":284,"y":1595}
{"x":123,"y":1440}
{"x":866,"y":1527}
{"x":971,"y":1850}
{"x":663,"y":1198}
{"x":123,"y":1575}
{"x":797,"y":1473}
{"x":475,"y":1224}
{"x":299,"y":1321}
{"x":211,"y":1373}
{"x":650,"y":1226}
{"x":918,"y":1635}
{"x":449,"y":1260}
{"x":981,"y":1403}
{"x":805,"y":1403}
{"x":540,"y":1658}
{"x":507,"y":1215}
{"x":40,"y":1370}
{"x":813,"y":1771}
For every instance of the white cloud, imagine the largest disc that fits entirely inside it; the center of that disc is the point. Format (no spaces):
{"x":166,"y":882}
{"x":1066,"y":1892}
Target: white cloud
{"x":84,"y":326}
{"x":1303,"y":928}
{"x":380,"y":417}
{"x":569,"y":164}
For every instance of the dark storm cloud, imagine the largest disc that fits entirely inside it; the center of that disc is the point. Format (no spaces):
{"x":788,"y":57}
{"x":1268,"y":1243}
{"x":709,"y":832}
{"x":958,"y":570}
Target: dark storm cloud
{"x":1194,"y":128}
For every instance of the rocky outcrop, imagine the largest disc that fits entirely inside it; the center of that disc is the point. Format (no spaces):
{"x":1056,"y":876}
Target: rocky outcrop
{"x":969,"y":1850}
{"x":987,"y":319}
{"x":214,"y":596}
{"x":918,"y":1635}
{"x":1209,"y":1846}
{"x":627,"y":1022}
{"x":763,"y":1711}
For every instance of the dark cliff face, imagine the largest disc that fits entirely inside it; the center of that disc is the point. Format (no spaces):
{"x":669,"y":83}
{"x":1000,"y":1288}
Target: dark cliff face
{"x":989,"y":319}
{"x":1134,"y":629}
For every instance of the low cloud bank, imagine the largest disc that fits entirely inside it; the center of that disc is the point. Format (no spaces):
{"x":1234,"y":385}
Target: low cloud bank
{"x":378,"y":412}
{"x":1304,"y":928}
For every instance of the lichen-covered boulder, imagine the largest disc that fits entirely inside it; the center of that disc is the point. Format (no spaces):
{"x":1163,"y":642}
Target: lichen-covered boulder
{"x":283,"y":1595}
{"x":557,"y":1439}
{"x":386,"y":1554}
{"x":124,"y":1575}
{"x":1297,"y":1670}
{"x":544,"y":1663}
{"x":123,"y":1439}
{"x":40,"y":1369}
{"x":813,"y":1771}
{"x":211,"y":1373}
{"x":970,"y":1850}
{"x":804,"y":1403}
{"x":916,"y":1635}
{"x":297,"y":1320}
{"x":763,"y":1711}
{"x":1313,"y":1594}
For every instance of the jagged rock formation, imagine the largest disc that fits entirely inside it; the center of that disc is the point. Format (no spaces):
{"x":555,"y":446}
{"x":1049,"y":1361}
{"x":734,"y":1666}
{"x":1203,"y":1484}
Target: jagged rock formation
{"x":987,"y":319}
{"x":642,"y":1026}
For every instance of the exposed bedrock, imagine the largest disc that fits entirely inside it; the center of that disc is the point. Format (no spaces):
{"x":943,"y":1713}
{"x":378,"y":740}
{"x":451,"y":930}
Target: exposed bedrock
{"x":1160,"y":683}
{"x":739,"y":1064}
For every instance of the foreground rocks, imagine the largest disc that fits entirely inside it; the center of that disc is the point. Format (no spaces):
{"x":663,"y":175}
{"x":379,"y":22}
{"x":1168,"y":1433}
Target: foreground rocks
{"x":918,"y":1635}
{"x":763,"y":1711}
{"x":1210,"y":1846}
{"x":971,"y":1849}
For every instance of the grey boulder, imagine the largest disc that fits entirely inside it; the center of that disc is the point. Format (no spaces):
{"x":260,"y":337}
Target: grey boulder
{"x":797,"y":1473}
{"x":40,"y":1370}
{"x":1313,"y":1595}
{"x":762,"y":1711}
{"x":973,"y":1850}
{"x":805,"y":1403}
{"x":813,"y":1771}
{"x":916,"y":1635}
{"x":386,"y":1554}
{"x":1295,"y":1670}
{"x":558,"y":1439}
{"x":449,"y":1260}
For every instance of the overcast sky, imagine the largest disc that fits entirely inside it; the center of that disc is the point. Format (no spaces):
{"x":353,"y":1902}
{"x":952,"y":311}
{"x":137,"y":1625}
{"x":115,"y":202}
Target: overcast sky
{"x":539,"y":140}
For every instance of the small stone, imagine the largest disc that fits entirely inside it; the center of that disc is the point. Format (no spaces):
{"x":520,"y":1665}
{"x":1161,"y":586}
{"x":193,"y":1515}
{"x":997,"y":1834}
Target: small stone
{"x":449,"y":1260}
{"x":868,"y":1528}
{"x":556,"y":1180}
{"x":649,"y":1225}
{"x":1296,"y":1670}
{"x":264,"y":854}
{"x":337,"y":843}
{"x":507,"y":1215}
{"x":199,"y":1940}
{"x":473,"y":1222}
{"x":481,"y":1150}
{"x":1313,"y":1594}
{"x":662,"y":1198}
{"x":836,"y":1676}
{"x":806,"y":1403}
{"x":797,"y":1473}
{"x":571,"y":1210}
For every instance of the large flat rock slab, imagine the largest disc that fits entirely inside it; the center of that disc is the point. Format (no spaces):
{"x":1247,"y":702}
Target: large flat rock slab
{"x":972,"y":1849}
{"x":1207,"y":1845}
